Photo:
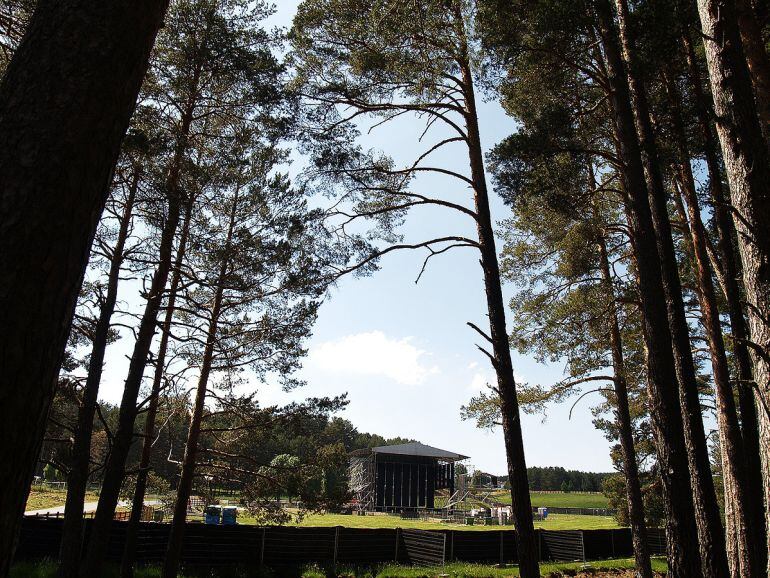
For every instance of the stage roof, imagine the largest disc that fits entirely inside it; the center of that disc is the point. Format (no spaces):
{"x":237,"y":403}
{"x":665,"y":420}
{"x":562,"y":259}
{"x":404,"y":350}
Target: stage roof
{"x":418,"y":449}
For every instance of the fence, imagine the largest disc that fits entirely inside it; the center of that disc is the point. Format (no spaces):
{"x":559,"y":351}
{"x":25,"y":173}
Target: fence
{"x":124,"y":515}
{"x":280,"y":545}
{"x":581,"y":511}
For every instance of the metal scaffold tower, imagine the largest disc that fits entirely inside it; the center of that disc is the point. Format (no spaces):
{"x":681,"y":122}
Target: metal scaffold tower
{"x":362,"y":482}
{"x":467,"y":492}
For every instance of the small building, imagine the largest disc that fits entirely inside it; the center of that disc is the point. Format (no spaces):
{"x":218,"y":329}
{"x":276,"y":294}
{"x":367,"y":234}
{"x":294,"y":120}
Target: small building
{"x":401,"y":477}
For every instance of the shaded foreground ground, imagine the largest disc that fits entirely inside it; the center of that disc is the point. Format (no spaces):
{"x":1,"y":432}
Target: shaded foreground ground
{"x":620,"y":568}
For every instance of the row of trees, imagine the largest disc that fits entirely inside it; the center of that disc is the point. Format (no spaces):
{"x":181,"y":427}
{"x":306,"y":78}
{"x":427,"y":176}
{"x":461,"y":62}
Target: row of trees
{"x":613,"y":256}
{"x":625,"y":268}
{"x":230,"y":265}
{"x":607,"y":240}
{"x":556,"y":478}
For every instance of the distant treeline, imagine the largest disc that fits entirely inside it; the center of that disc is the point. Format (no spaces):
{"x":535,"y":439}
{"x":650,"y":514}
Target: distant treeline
{"x":554,"y":478}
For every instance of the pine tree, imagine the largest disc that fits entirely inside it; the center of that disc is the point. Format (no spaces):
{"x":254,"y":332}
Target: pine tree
{"x":251,"y":291}
{"x":213,"y":61}
{"x":746,"y":158}
{"x":381,"y":62}
{"x":65,"y":105}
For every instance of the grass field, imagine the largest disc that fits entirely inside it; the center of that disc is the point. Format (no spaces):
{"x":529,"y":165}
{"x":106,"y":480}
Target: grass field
{"x":560,"y":499}
{"x":41,"y":497}
{"x":554,"y":522}
{"x":48,"y":570}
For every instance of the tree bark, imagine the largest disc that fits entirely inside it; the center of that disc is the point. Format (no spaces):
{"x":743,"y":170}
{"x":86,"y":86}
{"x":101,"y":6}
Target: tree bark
{"x":731,"y":442}
{"x":757,"y":60}
{"x":665,"y":408}
{"x":132,"y":531}
{"x":710,"y":531}
{"x":65,"y":102}
{"x":747,"y":164}
{"x":184,"y":489}
{"x":501,"y":352}
{"x":626,"y":435}
{"x":726,"y":239}
{"x":77,"y":480}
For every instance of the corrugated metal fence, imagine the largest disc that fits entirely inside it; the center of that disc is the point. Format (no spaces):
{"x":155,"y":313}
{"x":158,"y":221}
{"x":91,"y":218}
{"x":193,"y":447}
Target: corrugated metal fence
{"x":280,"y":545}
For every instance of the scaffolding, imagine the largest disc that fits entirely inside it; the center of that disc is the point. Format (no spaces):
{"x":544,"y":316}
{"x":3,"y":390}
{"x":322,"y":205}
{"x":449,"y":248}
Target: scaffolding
{"x":362,"y":482}
{"x":466,"y":493}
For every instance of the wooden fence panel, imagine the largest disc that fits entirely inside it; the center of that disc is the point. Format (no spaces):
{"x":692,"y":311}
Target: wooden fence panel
{"x":476,"y":546}
{"x":423,"y":547}
{"x":287,"y":545}
{"x":277,"y":545}
{"x":656,"y":540}
{"x":366,"y":546}
{"x":562,"y":545}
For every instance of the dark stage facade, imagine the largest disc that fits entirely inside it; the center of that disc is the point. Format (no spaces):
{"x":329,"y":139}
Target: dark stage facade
{"x":401,"y":477}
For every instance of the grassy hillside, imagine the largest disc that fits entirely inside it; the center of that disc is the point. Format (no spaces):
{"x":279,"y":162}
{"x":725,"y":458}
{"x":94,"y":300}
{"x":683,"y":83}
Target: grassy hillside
{"x":41,"y":497}
{"x":560,"y":499}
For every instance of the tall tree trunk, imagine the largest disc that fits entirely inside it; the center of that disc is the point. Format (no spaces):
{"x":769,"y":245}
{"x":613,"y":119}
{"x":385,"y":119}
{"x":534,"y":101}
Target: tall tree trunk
{"x":747,"y":163}
{"x":731,"y":442}
{"x":184,"y":489}
{"x":757,"y":60}
{"x":121,"y":444}
{"x":77,"y":480}
{"x":710,"y":531}
{"x":626,"y":435}
{"x":498,"y":336}
{"x":55,"y":166}
{"x":665,"y":409}
{"x":132,"y":531}
{"x":740,"y":335}
{"x":116,"y":463}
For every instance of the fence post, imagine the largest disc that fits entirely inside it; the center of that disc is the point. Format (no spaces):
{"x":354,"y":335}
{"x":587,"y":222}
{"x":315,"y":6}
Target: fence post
{"x":336,"y":544}
{"x":451,"y":545}
{"x":398,"y":536}
{"x":443,"y":552}
{"x":612,"y":542}
{"x":502,"y":557}
{"x":583,"y":544}
{"x":262,"y":547}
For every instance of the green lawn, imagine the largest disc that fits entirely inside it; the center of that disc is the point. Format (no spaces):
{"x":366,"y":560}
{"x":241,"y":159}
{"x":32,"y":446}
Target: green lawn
{"x":560,"y":499}
{"x":41,"y":497}
{"x":459,"y":570}
{"x":553,"y":522}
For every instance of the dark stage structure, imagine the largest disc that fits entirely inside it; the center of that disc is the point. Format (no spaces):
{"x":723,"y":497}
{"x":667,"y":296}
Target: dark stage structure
{"x":401,"y":477}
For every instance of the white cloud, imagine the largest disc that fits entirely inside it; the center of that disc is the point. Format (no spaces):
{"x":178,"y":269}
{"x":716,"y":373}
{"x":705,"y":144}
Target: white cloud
{"x":479,"y":383}
{"x":373,"y":353}
{"x":473,"y":365}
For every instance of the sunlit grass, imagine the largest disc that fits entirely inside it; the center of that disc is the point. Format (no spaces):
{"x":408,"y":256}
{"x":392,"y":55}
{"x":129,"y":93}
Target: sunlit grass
{"x":553,"y":522}
{"x":41,"y":497}
{"x":560,"y":499}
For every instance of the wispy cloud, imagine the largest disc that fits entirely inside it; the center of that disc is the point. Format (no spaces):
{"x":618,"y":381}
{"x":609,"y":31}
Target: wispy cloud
{"x":374,"y":353}
{"x":479,"y":383}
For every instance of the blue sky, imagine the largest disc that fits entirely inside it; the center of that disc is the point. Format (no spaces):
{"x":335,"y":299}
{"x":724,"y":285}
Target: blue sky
{"x":403,"y":351}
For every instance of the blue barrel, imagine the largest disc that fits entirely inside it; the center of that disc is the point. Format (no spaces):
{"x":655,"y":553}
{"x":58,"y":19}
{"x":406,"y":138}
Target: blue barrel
{"x":229,"y":515}
{"x":212,"y":514}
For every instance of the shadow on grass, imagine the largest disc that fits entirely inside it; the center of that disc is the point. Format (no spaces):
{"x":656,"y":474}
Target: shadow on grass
{"x":47,"y":569}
